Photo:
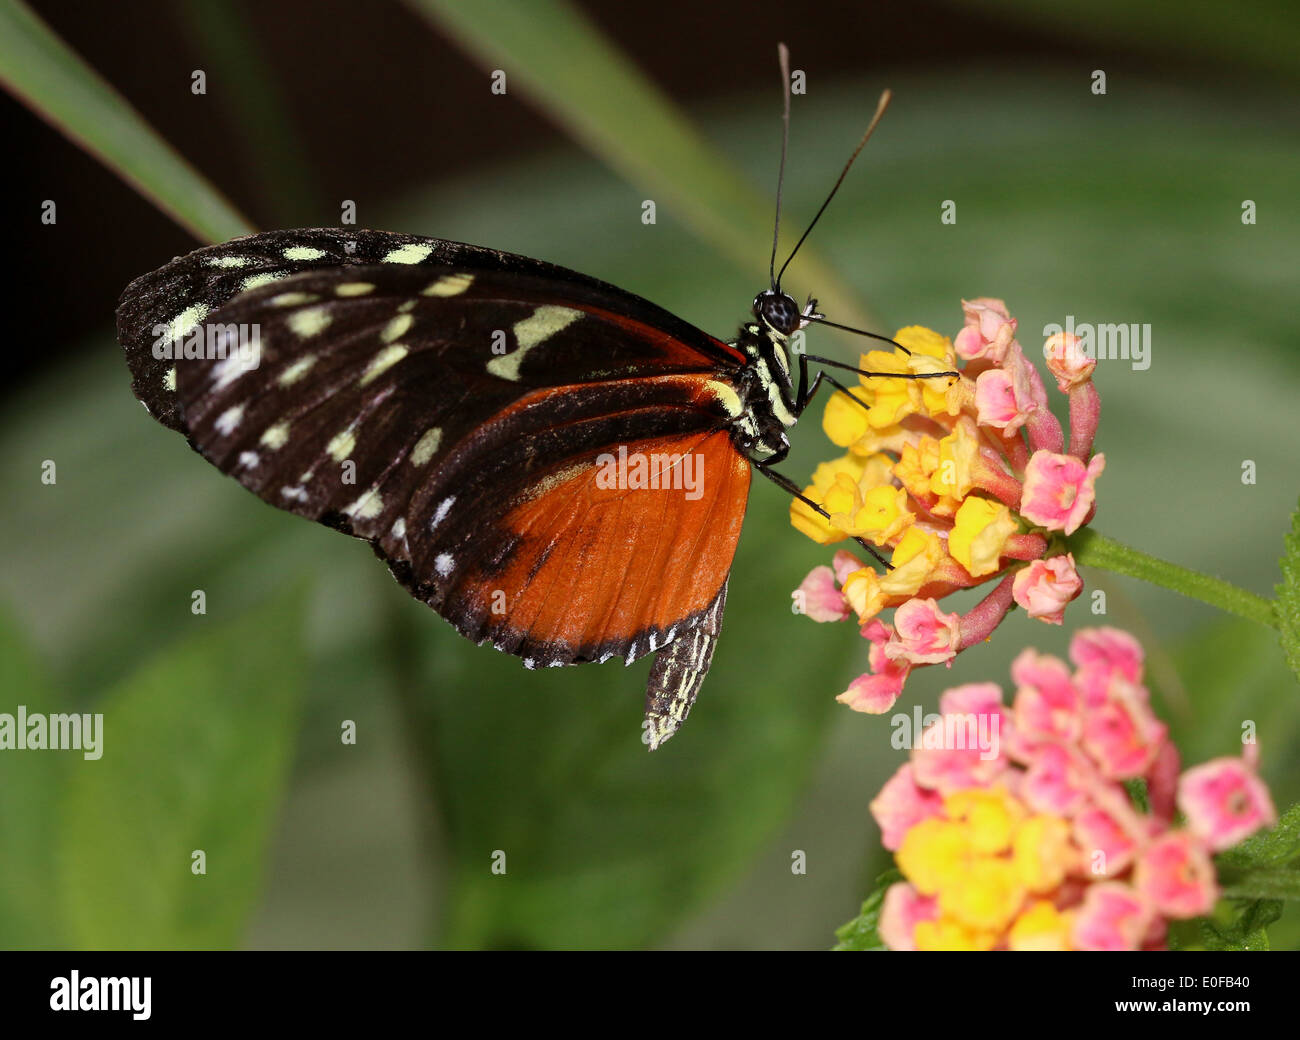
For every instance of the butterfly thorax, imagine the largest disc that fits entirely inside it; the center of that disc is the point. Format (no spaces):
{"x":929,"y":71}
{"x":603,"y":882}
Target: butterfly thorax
{"x":767,"y":391}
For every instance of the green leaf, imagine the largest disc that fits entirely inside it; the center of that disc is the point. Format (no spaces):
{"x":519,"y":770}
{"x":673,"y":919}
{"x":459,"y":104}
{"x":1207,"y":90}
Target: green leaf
{"x":1279,"y":844}
{"x":1246,"y":927}
{"x":1287,"y":605}
{"x":43,"y":72}
{"x":862,"y":933}
{"x":30,"y":916}
{"x":196,"y":747}
{"x":579,"y":77}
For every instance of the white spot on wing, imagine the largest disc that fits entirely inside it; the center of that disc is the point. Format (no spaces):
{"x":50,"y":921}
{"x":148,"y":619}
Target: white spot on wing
{"x":293,"y":299}
{"x":229,"y":420}
{"x":426,"y":446}
{"x":275,"y":437}
{"x":449,"y":285}
{"x":354,"y":289}
{"x":443,"y":564}
{"x":294,"y":494}
{"x":228,"y":261}
{"x":303,"y":253}
{"x":248,"y":459}
{"x":399,"y":528}
{"x":226,"y":371}
{"x":310,"y":321}
{"x":444,"y":507}
{"x":254,"y":281}
{"x":538,"y":327}
{"x":169,"y":379}
{"x":396,"y":328}
{"x":297,"y":370}
{"x":341,"y":444}
{"x":185,"y":322}
{"x":411,"y":253}
{"x":382,"y":362}
{"x":367,"y":507}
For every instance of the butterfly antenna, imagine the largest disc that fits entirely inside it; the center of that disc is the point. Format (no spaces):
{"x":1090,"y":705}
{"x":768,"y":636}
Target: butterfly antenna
{"x":880,"y":111}
{"x":783,"y":56}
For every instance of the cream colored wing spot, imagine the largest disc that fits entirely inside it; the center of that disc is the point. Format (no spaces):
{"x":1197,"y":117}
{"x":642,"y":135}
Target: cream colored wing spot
{"x":303,"y":253}
{"x":532,"y":331}
{"x":367,"y":507}
{"x":256,"y":281}
{"x":275,"y":437}
{"x":382,"y":362}
{"x":411,"y":253}
{"x":169,"y":379}
{"x":293,"y":299}
{"x":426,"y":447}
{"x":310,"y":321}
{"x":449,"y":285}
{"x":397,"y":328}
{"x":187,"y":321}
{"x":340,"y":445}
{"x":228,"y":261}
{"x":354,"y":289}
{"x":297,"y":370}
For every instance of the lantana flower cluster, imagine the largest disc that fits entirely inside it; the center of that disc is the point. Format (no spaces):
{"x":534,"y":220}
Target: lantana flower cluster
{"x":963,"y":480}
{"x":1032,"y":841}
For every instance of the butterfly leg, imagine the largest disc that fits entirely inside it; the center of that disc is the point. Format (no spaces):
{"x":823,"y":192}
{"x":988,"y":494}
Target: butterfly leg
{"x":791,"y":488}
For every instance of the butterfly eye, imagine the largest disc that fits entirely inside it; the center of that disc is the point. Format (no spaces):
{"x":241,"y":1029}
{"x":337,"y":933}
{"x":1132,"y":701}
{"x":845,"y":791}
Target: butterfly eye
{"x":777,"y":309}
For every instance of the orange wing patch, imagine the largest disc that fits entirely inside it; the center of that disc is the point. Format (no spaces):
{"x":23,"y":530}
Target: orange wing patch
{"x":618,"y":557}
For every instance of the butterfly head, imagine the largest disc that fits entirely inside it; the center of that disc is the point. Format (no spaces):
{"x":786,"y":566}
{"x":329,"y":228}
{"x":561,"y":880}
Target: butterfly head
{"x":778,"y":311}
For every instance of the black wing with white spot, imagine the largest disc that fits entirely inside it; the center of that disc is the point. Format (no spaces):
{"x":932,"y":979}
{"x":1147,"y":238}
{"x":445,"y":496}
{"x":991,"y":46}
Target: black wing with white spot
{"x":175,"y":298}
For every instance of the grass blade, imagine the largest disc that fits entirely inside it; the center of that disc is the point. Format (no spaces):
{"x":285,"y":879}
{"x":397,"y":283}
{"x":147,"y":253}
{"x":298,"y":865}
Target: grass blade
{"x":41,"y":71}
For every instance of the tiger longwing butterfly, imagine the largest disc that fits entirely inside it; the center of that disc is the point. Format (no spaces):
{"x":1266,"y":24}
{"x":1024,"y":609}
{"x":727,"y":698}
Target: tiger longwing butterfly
{"x":554,"y":465}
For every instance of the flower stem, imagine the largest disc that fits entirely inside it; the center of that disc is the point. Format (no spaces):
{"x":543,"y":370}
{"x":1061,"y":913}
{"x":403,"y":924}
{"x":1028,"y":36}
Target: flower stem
{"x":1095,"y":550}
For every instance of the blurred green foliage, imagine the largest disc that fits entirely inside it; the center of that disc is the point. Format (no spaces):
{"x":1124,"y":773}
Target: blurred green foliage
{"x":1114,"y":209}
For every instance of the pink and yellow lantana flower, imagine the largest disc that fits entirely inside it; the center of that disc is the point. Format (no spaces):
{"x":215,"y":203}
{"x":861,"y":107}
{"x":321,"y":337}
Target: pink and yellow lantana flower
{"x":963,"y":481}
{"x":1031,"y":841}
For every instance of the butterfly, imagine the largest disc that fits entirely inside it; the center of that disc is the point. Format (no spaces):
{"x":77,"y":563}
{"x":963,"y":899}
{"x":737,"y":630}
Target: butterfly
{"x":556,"y":466}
